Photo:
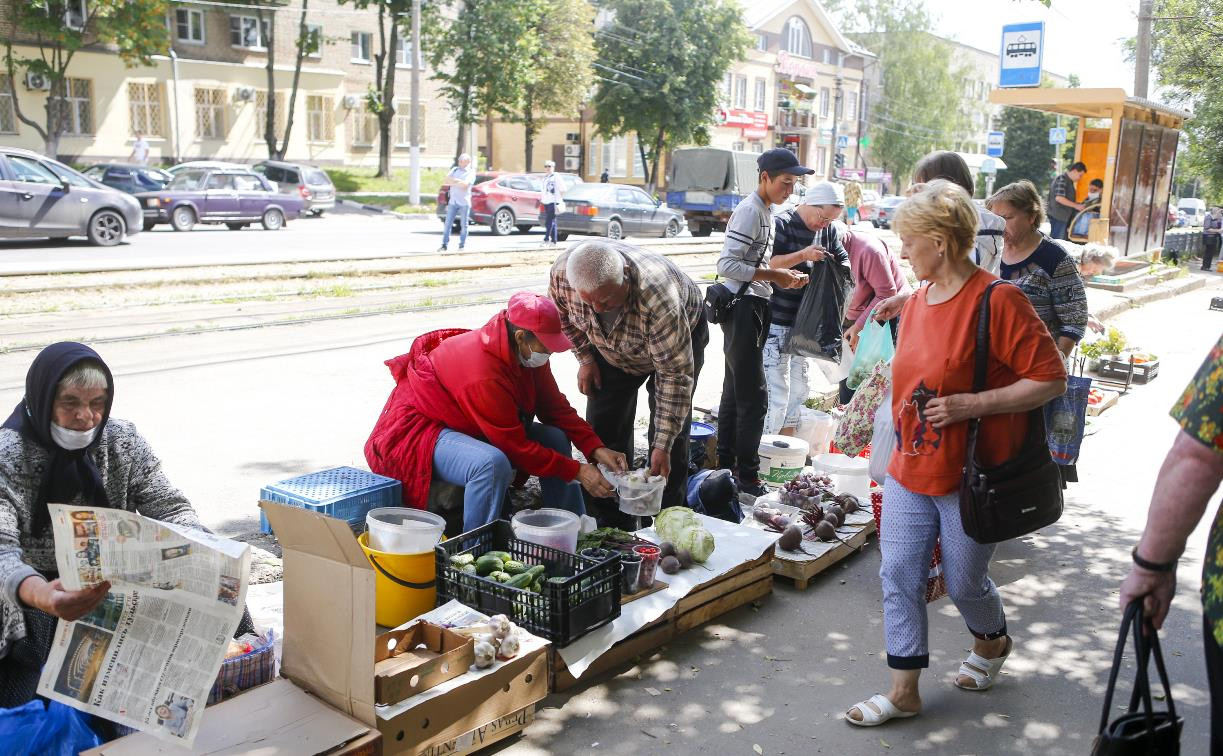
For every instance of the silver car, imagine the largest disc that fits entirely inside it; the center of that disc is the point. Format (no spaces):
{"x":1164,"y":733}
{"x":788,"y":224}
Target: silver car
{"x":41,"y":197}
{"x":615,"y":211}
{"x":311,"y":184}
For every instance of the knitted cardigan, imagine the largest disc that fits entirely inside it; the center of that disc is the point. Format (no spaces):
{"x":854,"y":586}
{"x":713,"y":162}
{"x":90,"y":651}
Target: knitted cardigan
{"x":134,"y":482}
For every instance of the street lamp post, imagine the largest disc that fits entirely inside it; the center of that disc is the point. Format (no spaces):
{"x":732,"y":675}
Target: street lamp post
{"x":174,"y":73}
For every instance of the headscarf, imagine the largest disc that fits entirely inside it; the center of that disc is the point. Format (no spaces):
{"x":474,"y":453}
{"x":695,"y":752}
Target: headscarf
{"x":70,"y":473}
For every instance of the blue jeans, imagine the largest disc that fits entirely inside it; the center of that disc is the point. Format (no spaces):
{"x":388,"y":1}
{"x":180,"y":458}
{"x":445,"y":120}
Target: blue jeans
{"x":464,"y":211}
{"x":485,"y":473}
{"x":548,"y":221}
{"x":1057,"y":228}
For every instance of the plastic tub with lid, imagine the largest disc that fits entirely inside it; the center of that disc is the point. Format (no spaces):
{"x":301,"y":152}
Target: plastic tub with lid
{"x":557,"y":528}
{"x":402,"y":530}
{"x":782,"y":457}
{"x":849,"y":474}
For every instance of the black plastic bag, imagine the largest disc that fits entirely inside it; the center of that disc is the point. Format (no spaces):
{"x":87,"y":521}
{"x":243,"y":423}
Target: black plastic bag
{"x":817,"y":325}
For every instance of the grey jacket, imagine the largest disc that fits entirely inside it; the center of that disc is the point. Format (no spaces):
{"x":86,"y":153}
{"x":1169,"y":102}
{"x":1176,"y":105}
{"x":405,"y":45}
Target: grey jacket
{"x":133,"y":479}
{"x":747,"y":246}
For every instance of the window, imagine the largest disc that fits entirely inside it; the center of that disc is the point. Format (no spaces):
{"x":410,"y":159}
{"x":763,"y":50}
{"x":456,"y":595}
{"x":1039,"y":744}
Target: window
{"x":840,"y":107}
{"x":638,"y":163}
{"x":320,"y":119}
{"x":728,"y":83}
{"x":189,"y":26}
{"x":8,"y":114}
{"x":261,"y":114}
{"x":613,"y":156}
{"x":760,"y":94}
{"x":31,"y":171}
{"x":757,"y":147}
{"x":76,"y":12}
{"x":762,"y":43}
{"x":364,"y":125}
{"x":209,"y":113}
{"x":361,"y":45}
{"x":403,"y":52}
{"x":821,"y":161}
{"x":798,"y":37}
{"x":827,"y":56}
{"x":220,"y":181}
{"x":314,"y":41}
{"x":825,"y":101}
{"x":740,"y":92}
{"x":738,"y":146}
{"x":593,"y":168}
{"x":852,"y":110}
{"x":403,"y":123}
{"x":641,"y":198}
{"x":247,"y":183}
{"x":144,"y":107}
{"x":248,"y":32}
{"x":78,"y":107}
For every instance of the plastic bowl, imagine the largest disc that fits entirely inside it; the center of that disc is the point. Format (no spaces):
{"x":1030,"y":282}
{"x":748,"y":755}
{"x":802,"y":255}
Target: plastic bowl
{"x":637,"y":498}
{"x":401,"y":530}
{"x":556,"y":528}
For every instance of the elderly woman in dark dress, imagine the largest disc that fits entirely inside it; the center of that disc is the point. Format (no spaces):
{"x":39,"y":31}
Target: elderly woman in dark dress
{"x":61,"y":446}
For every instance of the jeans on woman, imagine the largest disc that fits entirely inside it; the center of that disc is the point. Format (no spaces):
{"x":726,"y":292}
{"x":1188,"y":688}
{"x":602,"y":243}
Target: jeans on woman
{"x":786,"y":379}
{"x":485,"y":473}
{"x":910,"y":526}
{"x":548,"y":221}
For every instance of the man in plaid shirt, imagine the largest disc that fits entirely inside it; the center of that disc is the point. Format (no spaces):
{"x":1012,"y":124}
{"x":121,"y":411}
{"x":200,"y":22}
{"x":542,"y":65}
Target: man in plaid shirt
{"x":1062,"y":202}
{"x":634,"y":317}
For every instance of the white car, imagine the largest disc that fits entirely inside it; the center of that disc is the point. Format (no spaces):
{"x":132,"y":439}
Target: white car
{"x":204,"y":165}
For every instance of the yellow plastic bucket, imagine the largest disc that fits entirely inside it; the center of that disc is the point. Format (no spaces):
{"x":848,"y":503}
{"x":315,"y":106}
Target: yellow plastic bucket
{"x":405,"y":585}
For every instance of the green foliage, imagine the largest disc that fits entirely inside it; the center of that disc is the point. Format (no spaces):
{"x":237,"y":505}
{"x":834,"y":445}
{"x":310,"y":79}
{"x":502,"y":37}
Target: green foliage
{"x":1028,"y":152}
{"x":559,"y":73}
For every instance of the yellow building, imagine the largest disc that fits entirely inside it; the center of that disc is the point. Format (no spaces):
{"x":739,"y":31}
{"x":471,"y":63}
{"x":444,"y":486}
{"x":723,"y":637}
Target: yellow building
{"x":206,"y":97}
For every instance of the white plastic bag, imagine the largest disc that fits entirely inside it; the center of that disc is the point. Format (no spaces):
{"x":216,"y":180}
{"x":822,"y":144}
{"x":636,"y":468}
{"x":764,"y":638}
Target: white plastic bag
{"x":816,"y":428}
{"x":835,"y":373}
{"x":883,"y":440}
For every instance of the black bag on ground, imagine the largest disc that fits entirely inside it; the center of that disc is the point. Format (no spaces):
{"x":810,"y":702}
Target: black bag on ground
{"x":817,"y":324}
{"x":1145,"y":732}
{"x":1020,"y":495}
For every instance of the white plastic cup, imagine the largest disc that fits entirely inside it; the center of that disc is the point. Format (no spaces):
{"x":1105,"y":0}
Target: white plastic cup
{"x":402,"y":530}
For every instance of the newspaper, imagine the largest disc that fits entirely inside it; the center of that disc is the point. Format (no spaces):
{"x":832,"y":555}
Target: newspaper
{"x":147,"y":656}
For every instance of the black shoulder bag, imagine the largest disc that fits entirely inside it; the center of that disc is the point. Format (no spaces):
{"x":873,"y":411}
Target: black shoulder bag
{"x":1023,"y":493}
{"x":720,"y":300}
{"x":1139,"y":732}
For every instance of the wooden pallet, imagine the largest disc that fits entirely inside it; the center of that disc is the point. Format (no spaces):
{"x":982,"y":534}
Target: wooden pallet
{"x":803,"y":569}
{"x":1110,"y":398}
{"x":742,"y":585}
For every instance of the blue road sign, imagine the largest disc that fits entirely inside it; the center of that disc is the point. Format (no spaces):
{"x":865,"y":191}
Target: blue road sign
{"x":1023,"y":49}
{"x":1057,"y":135}
{"x":994,"y":142}
{"x":842,"y":141}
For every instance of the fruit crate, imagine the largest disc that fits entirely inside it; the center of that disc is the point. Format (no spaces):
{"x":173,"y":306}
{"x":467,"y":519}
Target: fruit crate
{"x":344,"y":493}
{"x":1123,"y":369}
{"x":562,"y":612}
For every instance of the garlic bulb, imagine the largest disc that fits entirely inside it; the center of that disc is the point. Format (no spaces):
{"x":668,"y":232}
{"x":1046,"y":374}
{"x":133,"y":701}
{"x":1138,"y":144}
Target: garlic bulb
{"x":509,"y":646}
{"x":500,"y":626}
{"x":485,"y":655}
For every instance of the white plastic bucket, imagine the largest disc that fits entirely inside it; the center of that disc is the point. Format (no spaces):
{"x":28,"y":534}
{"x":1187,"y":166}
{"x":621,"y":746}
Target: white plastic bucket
{"x":816,"y":428}
{"x":782,"y":457}
{"x":401,"y":530}
{"x":557,"y":528}
{"x":849,"y":474}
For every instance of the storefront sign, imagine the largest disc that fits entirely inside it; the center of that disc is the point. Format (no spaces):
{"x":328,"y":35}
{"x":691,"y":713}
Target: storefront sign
{"x":877,"y":174}
{"x":746,"y":119}
{"x":755,"y":133}
{"x":851,"y":174}
{"x":791,"y":66}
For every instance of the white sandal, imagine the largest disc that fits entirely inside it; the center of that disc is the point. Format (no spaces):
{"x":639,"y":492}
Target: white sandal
{"x":871,"y":718}
{"x":984,"y":672}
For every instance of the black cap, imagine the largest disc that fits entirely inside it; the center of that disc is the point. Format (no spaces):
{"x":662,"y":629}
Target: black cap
{"x":781,"y":159}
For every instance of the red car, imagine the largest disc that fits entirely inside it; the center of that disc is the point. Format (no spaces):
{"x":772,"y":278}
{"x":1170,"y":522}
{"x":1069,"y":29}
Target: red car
{"x":511,"y":201}
{"x":443,"y":194}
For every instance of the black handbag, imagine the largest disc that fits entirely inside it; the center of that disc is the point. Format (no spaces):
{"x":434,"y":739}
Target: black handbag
{"x":1024,"y":493}
{"x":720,"y":300}
{"x":1139,"y":732}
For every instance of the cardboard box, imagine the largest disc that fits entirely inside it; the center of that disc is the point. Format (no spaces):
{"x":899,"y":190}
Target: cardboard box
{"x":276,"y":719}
{"x":401,"y":669}
{"x":484,"y":736}
{"x":330,"y":637}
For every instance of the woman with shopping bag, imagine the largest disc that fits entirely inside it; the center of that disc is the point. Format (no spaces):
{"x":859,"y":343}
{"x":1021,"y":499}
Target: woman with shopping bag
{"x":932,"y":379}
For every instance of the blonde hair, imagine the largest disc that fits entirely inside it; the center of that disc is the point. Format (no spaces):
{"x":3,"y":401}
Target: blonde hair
{"x":1022,"y":196}
{"x":940,"y":210}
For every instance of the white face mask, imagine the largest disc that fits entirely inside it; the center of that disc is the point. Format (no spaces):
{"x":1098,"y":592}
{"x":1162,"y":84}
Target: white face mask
{"x":72,"y":440}
{"x":537,"y":359}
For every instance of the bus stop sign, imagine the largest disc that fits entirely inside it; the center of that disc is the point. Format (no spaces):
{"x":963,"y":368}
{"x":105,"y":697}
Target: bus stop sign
{"x":1021,"y":55}
{"x":994,"y":142}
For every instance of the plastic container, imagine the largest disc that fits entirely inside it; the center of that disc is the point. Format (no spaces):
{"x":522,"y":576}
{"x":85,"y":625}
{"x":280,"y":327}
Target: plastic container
{"x":782,"y":457}
{"x":344,"y":493}
{"x":816,"y":428}
{"x":699,"y":443}
{"x":586,"y":599}
{"x":649,"y":564}
{"x":637,"y":498}
{"x":402,"y":530}
{"x":554,"y":528}
{"x":849,"y":474}
{"x":405,"y":585}
{"x":631,"y":567}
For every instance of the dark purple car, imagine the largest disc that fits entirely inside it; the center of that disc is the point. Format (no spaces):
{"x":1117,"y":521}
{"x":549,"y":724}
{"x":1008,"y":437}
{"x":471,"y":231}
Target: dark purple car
{"x":234,"y":197}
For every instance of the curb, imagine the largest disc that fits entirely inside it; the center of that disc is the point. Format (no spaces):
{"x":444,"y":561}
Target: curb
{"x":1192,"y":283}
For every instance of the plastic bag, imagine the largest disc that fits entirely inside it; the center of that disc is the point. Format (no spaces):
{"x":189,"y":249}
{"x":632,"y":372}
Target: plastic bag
{"x":817,"y":324}
{"x":56,"y":730}
{"x":874,"y":346}
{"x":857,"y":428}
{"x":883,"y":439}
{"x":1066,"y":420}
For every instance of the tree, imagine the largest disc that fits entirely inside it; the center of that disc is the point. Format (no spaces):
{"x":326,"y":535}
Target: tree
{"x":559,"y":74}
{"x":919,"y":105}
{"x":136,"y":29}
{"x":660,"y":63}
{"x":1028,"y":152}
{"x":481,"y":58}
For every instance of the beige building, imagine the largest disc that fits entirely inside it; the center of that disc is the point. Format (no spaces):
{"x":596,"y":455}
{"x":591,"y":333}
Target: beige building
{"x":799,"y":86}
{"x":206,"y":97}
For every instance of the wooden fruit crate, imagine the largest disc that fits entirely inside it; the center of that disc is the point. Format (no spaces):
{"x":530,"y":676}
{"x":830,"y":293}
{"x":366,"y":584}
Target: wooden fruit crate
{"x":800,"y":567}
{"x":742,"y":585}
{"x":1110,"y":398}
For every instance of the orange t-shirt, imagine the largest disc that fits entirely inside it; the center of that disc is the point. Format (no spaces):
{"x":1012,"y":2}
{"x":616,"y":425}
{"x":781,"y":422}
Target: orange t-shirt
{"x":934,"y":357}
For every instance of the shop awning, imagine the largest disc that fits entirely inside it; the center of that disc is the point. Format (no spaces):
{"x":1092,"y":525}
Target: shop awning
{"x":804,"y":88}
{"x":975,"y":159}
{"x":1090,"y":103}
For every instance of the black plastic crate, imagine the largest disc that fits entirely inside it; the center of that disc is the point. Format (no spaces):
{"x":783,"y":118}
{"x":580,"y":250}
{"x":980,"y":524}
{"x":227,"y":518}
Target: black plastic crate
{"x":562,"y":612}
{"x":1140,"y":372}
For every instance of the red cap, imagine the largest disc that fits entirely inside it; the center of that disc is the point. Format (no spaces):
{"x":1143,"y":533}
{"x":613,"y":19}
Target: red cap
{"x":539,"y":315}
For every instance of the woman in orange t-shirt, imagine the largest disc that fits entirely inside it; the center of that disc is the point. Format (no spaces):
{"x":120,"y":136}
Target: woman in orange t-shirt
{"x":932,"y":400}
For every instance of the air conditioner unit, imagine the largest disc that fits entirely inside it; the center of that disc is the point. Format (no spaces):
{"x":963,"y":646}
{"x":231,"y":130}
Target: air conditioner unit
{"x":571,"y":163}
{"x":244,"y":94}
{"x":351,"y":101}
{"x":35,"y":80}
{"x":573,"y":150}
{"x":573,"y":136}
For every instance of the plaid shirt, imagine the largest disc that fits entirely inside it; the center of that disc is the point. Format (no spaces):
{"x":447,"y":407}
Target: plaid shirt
{"x":1062,"y":186}
{"x":652,"y":333}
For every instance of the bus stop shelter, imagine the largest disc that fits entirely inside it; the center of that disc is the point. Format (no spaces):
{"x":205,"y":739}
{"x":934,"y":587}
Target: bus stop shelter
{"x":1133,"y":155}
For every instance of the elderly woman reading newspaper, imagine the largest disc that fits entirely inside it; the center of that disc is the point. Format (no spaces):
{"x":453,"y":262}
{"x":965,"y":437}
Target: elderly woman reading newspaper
{"x":60,"y":446}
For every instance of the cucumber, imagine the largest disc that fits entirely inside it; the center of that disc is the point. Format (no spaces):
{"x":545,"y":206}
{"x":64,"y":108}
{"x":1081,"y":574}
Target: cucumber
{"x":470,"y":569}
{"x":504,"y":556}
{"x":499,"y":576}
{"x":526,"y":579}
{"x":458,"y":560}
{"x":488,"y":564}
{"x":515,"y":567}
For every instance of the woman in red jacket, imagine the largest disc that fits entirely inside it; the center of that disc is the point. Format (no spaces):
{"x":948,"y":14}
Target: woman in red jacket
{"x":464,"y":409}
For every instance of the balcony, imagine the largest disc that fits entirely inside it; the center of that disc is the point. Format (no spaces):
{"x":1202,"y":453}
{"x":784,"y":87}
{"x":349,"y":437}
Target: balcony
{"x":796,"y":120}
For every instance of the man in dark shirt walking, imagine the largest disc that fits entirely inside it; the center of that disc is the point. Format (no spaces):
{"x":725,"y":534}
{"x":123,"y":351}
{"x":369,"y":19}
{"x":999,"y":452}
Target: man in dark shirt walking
{"x":1062,"y":202}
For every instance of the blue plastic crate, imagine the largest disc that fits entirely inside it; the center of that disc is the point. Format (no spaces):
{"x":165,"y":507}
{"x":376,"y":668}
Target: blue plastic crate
{"x":344,"y":493}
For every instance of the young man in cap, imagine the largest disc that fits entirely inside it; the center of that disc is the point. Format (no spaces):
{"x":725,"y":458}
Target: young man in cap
{"x":745,"y":254}
{"x":805,"y":237}
{"x":464,"y":410}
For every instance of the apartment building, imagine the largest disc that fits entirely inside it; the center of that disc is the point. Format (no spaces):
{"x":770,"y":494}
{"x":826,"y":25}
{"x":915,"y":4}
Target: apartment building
{"x":206,"y":97}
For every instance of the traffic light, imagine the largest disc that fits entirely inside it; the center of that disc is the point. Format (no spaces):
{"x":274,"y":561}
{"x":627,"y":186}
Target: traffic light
{"x":839,"y":160}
